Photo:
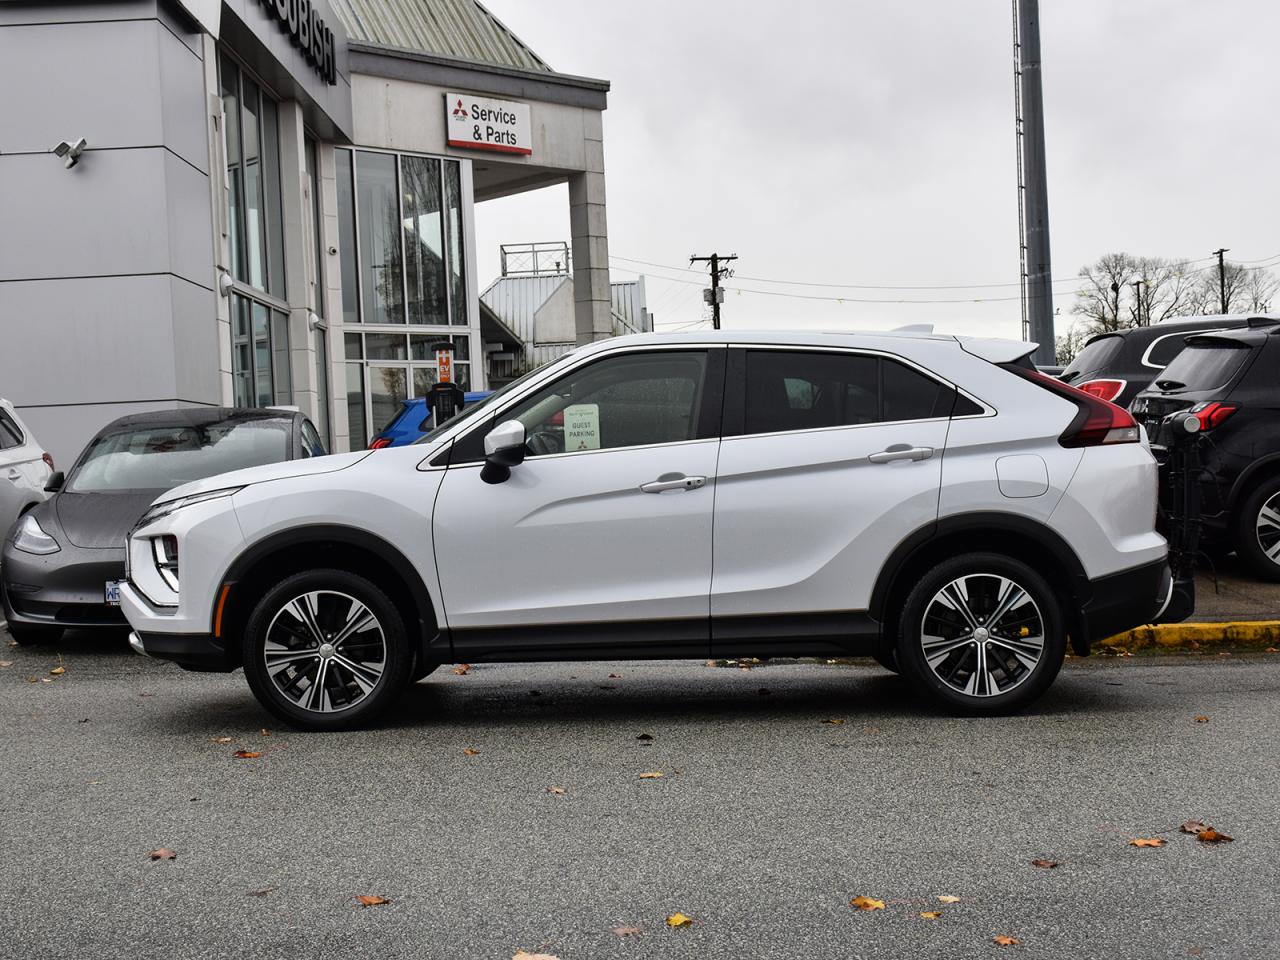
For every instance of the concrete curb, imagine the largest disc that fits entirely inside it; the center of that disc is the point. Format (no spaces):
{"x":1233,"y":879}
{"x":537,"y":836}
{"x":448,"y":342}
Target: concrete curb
{"x":1248,"y":633}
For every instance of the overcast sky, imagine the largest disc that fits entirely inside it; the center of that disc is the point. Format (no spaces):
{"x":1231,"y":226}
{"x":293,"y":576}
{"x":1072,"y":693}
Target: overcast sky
{"x":872,"y":143}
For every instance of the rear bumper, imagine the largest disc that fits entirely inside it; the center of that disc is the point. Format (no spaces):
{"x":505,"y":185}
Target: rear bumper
{"x":191,"y":651}
{"x":1131,"y":598}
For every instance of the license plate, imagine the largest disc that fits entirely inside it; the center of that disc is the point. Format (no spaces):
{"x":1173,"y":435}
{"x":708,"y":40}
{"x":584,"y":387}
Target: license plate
{"x":112,"y":593}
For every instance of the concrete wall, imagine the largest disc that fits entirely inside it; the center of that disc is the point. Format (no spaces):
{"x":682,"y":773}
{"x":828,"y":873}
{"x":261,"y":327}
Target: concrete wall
{"x":107,"y":300}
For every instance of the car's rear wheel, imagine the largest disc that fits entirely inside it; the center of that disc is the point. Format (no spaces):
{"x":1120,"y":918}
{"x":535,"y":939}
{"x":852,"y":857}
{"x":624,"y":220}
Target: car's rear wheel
{"x":1257,"y":530}
{"x":26,"y":635}
{"x":981,"y":633}
{"x":326,"y":650}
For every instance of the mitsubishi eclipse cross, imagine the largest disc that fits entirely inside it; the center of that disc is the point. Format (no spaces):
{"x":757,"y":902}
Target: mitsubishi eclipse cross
{"x":933,"y":502}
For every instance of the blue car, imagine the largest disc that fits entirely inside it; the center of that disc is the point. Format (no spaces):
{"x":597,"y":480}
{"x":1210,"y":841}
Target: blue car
{"x":414,"y":420}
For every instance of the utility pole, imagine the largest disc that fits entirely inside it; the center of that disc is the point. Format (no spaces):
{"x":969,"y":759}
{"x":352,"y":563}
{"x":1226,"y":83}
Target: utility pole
{"x":1033,"y":193}
{"x":1222,"y":277}
{"x":1137,"y":297}
{"x":715,"y":293}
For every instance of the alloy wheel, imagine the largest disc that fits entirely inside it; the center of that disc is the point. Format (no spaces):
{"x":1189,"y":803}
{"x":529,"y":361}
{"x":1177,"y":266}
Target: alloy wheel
{"x":982,"y":634}
{"x":325,"y":651}
{"x":1267,"y":528}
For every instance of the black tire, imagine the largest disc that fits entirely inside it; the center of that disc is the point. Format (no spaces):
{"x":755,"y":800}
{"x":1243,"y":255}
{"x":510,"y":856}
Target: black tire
{"x":27,"y":635}
{"x":1249,"y":540}
{"x":956,"y":684}
{"x":342,"y":701}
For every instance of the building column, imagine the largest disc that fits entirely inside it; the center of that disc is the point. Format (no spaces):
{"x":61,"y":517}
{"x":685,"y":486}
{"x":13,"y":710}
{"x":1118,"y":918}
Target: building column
{"x":339,"y":428}
{"x":593,"y":303}
{"x":299,"y":238}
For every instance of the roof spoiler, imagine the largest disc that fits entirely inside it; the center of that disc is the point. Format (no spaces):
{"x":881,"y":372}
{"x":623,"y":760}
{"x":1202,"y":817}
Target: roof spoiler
{"x":914,"y":328}
{"x":996,"y":350}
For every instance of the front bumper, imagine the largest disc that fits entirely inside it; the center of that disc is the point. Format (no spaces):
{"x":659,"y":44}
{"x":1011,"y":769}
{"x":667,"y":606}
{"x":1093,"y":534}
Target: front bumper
{"x":1132,"y":598}
{"x":200,"y":652}
{"x":63,"y":589}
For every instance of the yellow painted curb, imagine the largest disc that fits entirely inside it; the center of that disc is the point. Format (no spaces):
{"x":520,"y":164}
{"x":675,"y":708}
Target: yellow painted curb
{"x":1261,"y":633}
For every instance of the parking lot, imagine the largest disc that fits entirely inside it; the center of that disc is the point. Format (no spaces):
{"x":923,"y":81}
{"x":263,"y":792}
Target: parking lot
{"x":786,"y":791}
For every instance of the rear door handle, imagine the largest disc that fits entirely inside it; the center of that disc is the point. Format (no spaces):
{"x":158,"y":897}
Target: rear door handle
{"x":673,"y":481}
{"x":901,"y":451}
{"x":14,"y":475}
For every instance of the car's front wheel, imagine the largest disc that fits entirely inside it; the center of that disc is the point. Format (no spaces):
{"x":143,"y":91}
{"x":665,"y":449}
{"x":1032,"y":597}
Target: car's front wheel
{"x":326,"y":650}
{"x":982,"y":633}
{"x":26,"y":635}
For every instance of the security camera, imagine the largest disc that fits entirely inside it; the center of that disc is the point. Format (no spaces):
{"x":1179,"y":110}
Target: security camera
{"x":70,"y":151}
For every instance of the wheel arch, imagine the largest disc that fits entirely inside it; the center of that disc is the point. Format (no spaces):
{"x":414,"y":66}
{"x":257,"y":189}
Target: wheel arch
{"x":1030,"y":541}
{"x":1260,"y":471}
{"x":336,"y":546}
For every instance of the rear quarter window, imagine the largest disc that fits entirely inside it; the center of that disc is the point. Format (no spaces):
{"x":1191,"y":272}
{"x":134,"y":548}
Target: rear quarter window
{"x":1096,"y":355}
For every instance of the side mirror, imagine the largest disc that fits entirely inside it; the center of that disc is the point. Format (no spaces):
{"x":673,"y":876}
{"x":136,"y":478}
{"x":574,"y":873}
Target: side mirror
{"x":503,"y":449}
{"x":55,"y":482}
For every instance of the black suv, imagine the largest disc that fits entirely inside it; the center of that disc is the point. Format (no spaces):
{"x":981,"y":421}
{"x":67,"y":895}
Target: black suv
{"x":1118,"y":366}
{"x":1228,"y":381}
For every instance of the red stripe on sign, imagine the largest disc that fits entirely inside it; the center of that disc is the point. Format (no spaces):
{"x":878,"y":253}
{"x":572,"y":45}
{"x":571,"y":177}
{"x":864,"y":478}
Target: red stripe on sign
{"x":497,"y":147}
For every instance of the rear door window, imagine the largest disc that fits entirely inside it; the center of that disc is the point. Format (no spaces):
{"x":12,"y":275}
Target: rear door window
{"x":10,"y":434}
{"x":1206,"y":365}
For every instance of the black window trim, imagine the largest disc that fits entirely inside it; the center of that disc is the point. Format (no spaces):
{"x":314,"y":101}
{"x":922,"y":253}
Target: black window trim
{"x":736,"y":387}
{"x":13,"y":422}
{"x":710,"y":414}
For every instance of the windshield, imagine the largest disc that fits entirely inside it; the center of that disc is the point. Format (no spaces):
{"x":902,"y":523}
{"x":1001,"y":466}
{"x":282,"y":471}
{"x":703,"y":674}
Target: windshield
{"x":1095,"y":356}
{"x":161,"y":457}
{"x":1203,"y":366}
{"x":468,"y":412}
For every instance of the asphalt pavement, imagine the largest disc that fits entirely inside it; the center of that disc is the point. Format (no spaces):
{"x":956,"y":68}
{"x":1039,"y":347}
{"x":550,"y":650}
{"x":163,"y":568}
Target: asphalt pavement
{"x":767,"y":819}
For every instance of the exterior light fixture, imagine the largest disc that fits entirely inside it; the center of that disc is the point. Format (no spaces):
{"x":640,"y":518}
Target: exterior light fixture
{"x":70,"y":152}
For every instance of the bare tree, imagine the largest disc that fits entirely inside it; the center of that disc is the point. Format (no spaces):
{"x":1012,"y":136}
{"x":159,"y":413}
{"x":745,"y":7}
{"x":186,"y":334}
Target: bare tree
{"x":1069,"y":344}
{"x":1248,"y":290}
{"x":1121,"y":290}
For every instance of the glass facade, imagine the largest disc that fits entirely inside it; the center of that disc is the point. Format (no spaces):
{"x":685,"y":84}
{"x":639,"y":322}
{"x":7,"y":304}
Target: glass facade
{"x":260,"y":371}
{"x":400,"y":230}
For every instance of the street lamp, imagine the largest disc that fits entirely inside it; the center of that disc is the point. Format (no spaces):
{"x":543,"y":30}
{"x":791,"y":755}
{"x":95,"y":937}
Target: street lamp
{"x":1137,"y":293}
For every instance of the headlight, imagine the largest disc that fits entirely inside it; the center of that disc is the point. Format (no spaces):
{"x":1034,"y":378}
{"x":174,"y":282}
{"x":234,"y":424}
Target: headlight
{"x":167,"y":507}
{"x":29,"y":537}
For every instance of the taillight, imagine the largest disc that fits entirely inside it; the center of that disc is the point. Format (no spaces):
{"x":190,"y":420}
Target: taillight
{"x":379,"y":443}
{"x":1102,"y":389}
{"x":1213,"y":414}
{"x":47,"y":458}
{"x":1098,"y":421}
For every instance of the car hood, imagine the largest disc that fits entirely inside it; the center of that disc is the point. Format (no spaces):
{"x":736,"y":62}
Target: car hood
{"x":97,"y":521}
{"x":311,"y":466}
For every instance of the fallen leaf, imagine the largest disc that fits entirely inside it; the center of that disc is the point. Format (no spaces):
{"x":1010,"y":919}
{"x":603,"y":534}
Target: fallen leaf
{"x":710,"y":663}
{"x":946,"y":898}
{"x":1147,"y":842}
{"x":462,"y":669}
{"x":219,"y":739}
{"x":614,"y":676}
{"x":627,"y":931}
{"x":46,"y":680}
{"x":931,"y":914}
{"x":1272,"y":650}
{"x":85,"y":720}
{"x":652,"y":775}
{"x":469,"y":751}
{"x":1006,"y":941}
{"x":94,"y":783}
{"x":263,"y":892}
{"x":1193,"y":826}
{"x":834,"y":721}
{"x":555,"y":790}
{"x":1047,"y":864}
{"x":246,"y":754}
{"x":866,"y":903}
{"x":58,"y":671}
{"x":6,"y":663}
{"x":679,"y":920}
{"x":1202,"y":719}
{"x":524,"y":955}
{"x":1210,"y":835}
{"x":645,"y":736}
{"x":266,"y":733}
{"x":164,"y":853}
{"x":372,"y":901}
{"x":33,"y":679}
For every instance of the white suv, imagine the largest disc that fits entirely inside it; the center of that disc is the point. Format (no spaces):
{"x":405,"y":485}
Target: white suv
{"x":25,"y":468}
{"x":932,"y":502}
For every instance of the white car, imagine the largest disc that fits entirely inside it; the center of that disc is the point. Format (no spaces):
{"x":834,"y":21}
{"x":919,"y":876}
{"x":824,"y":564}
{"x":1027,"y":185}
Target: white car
{"x":933,"y":502}
{"x":24,"y":468}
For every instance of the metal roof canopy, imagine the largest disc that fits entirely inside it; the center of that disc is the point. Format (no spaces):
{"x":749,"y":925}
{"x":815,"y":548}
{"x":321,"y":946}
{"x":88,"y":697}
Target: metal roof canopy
{"x":463,"y":29}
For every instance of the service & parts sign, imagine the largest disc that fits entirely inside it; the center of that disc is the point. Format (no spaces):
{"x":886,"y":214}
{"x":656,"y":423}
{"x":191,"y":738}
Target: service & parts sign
{"x":479,"y":124}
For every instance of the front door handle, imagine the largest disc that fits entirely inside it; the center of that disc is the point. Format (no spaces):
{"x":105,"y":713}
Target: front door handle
{"x":14,"y":475}
{"x":673,"y":481}
{"x":901,"y":451}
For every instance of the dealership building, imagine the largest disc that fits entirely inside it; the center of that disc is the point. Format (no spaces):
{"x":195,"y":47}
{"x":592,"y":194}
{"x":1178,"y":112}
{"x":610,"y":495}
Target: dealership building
{"x":262,"y":202}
